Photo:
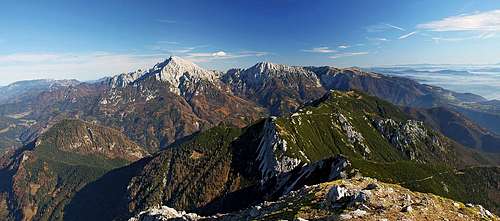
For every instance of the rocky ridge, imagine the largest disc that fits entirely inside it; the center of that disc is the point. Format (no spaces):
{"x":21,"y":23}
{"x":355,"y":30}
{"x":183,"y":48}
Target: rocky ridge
{"x":358,"y":198}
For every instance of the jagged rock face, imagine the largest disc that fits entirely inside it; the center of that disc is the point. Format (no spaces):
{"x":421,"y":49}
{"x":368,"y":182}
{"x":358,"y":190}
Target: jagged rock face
{"x":122,"y":80}
{"x":272,"y":149}
{"x":409,"y":136}
{"x":279,"y":88}
{"x":38,"y":180}
{"x":165,"y":213}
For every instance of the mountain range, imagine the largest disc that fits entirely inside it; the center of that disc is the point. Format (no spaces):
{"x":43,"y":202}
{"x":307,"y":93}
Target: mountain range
{"x":211,"y":142}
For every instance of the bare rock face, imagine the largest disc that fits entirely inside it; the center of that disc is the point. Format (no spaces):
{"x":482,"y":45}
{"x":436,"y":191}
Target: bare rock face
{"x":272,"y":149}
{"x":165,"y":213}
{"x":408,"y":136}
{"x":279,"y":88}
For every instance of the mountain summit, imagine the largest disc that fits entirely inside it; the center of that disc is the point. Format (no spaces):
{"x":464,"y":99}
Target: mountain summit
{"x":176,"y":71}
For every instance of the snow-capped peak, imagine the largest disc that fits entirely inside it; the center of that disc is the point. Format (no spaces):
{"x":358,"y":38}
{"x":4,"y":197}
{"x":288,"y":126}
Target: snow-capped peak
{"x":173,"y":71}
{"x":265,"y":66}
{"x":177,"y":63}
{"x":174,"y":68}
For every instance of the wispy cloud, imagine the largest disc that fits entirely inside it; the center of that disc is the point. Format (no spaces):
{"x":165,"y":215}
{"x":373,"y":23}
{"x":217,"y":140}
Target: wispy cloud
{"x":344,"y":46}
{"x":168,"y":42}
{"x":395,"y":27}
{"x":182,"y":50}
{"x":482,"y":21}
{"x":320,"y":50}
{"x":487,"y":35}
{"x":378,"y":39}
{"x":407,"y":35}
{"x":382,"y":27}
{"x":163,"y":45}
{"x":482,"y":36}
{"x":348,"y":54}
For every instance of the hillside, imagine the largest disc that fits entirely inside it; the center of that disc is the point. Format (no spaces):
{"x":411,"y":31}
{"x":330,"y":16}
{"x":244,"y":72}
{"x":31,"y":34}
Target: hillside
{"x":38,"y":180}
{"x":225,"y":169}
{"x":457,"y":127}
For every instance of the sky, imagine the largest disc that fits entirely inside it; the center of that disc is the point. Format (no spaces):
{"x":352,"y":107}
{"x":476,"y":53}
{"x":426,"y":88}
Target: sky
{"x":89,"y":39}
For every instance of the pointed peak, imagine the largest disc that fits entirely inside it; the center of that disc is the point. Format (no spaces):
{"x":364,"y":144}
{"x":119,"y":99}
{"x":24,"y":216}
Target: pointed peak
{"x":177,"y":59}
{"x":177,"y":63}
{"x":265,"y":66}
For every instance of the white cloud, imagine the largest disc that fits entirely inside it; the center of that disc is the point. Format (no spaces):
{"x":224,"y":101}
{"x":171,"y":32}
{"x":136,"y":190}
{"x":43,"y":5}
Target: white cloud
{"x":219,"y":54}
{"x":344,"y":46}
{"x":210,"y":56}
{"x":348,"y":54}
{"x":482,"y":21}
{"x":407,"y":35}
{"x":319,"y":50}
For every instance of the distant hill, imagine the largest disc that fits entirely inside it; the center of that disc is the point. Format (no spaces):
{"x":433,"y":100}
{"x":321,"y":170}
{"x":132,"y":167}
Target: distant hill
{"x":17,"y":90}
{"x":38,"y":180}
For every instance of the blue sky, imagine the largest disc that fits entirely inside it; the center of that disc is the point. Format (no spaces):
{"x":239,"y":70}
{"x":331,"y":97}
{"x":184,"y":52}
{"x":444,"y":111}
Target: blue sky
{"x":90,"y":39}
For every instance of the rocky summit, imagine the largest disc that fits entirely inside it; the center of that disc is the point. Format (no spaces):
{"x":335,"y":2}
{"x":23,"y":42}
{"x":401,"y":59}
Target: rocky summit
{"x":358,"y":198}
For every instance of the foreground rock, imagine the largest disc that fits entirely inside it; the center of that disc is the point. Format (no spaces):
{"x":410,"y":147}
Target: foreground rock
{"x":346,"y":199}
